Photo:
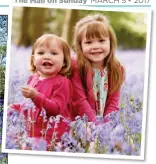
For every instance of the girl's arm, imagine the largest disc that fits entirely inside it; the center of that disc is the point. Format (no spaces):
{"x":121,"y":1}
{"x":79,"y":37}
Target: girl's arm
{"x":112,"y":103}
{"x":80,"y":102}
{"x":113,"y":100}
{"x":59,"y":99}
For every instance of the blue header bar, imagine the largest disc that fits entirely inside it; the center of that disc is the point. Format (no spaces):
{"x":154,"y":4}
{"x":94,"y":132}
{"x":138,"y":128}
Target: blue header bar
{"x":4,"y":5}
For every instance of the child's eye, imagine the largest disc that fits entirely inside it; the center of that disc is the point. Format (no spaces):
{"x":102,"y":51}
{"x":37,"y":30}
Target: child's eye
{"x":88,"y":42}
{"x":40,"y":52}
{"x":53,"y":53}
{"x":102,"y":40}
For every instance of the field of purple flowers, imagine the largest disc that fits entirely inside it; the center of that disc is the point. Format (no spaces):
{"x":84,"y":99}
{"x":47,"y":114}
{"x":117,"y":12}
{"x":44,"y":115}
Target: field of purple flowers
{"x":122,"y":135}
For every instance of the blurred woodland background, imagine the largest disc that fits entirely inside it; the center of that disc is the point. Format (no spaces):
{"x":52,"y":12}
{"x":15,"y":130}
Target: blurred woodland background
{"x":29,"y":23}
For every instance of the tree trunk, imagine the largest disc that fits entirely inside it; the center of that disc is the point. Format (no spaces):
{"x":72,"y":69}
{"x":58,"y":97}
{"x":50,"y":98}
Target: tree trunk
{"x":32,"y":25}
{"x":71,"y":17}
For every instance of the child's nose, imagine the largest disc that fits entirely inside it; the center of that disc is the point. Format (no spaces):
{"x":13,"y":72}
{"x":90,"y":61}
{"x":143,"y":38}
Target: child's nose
{"x":47,"y":56}
{"x":95,"y":45}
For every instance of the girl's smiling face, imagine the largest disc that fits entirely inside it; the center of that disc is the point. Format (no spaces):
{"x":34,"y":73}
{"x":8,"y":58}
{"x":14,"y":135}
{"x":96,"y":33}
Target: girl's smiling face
{"x":48,"y":58}
{"x":95,"y":50}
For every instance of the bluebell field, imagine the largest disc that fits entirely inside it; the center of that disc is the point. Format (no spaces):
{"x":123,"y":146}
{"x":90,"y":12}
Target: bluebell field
{"x":120,"y":136}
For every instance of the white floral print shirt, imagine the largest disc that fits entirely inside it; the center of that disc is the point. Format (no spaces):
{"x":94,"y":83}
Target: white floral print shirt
{"x":100,"y":88}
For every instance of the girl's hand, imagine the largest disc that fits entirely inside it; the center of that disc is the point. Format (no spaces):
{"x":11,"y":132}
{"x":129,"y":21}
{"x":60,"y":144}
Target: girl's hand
{"x":28,"y":92}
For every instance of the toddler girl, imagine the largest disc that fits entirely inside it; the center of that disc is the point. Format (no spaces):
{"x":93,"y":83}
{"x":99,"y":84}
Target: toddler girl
{"x":49,"y":88}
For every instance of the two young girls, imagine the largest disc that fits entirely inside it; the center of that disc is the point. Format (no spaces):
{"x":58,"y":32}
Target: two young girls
{"x":94,"y":86}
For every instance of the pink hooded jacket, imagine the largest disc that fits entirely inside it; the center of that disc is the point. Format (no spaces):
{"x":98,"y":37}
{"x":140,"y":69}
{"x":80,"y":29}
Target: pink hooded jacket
{"x":85,"y":103}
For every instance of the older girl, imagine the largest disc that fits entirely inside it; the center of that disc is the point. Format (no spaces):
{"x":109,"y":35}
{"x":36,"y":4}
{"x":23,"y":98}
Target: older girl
{"x":97,"y":75}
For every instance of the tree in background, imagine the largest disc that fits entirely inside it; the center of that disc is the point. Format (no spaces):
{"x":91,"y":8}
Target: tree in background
{"x":71,"y":17}
{"x":32,"y":25}
{"x":130,"y":27}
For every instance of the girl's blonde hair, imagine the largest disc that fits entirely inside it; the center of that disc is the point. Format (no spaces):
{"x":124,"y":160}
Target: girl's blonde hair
{"x":97,"y":26}
{"x":66,"y":69}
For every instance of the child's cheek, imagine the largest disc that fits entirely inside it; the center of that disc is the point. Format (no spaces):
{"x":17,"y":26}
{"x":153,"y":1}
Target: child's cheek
{"x":57,"y":68}
{"x":86,"y":50}
{"x":38,"y":61}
